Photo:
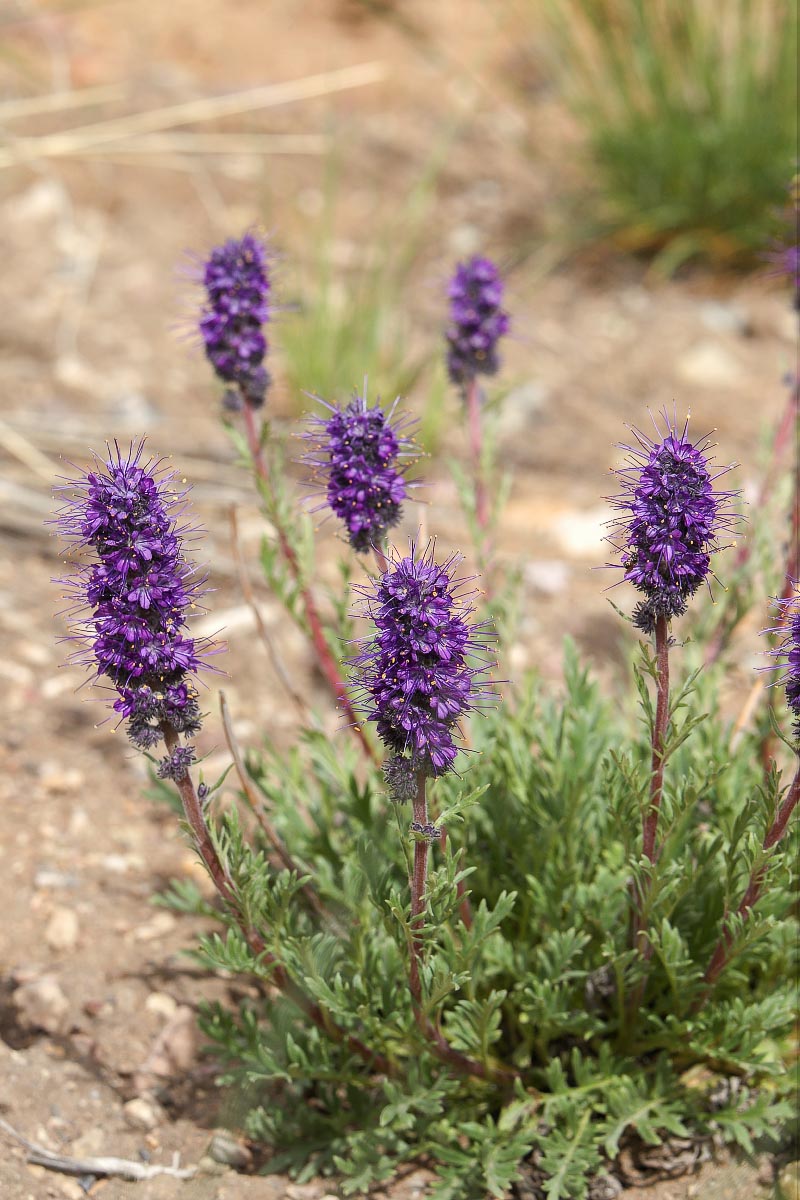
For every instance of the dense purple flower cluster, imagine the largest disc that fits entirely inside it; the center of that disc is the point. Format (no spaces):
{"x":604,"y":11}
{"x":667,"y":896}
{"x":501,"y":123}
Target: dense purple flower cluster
{"x":357,"y":456}
{"x":423,"y":669}
{"x":232,"y":322}
{"x":788,"y":653}
{"x":672,"y":523}
{"x":477,"y":320}
{"x":139,"y":588}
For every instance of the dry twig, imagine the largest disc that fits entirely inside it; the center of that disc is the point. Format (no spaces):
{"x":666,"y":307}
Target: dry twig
{"x":123,"y":1168}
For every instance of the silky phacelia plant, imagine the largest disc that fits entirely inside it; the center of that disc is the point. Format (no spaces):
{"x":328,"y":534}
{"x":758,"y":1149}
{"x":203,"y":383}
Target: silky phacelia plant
{"x":139,"y":589}
{"x":358,"y":456}
{"x":477,"y":320}
{"x":672,"y":523}
{"x":425,"y":667}
{"x":232,"y":323}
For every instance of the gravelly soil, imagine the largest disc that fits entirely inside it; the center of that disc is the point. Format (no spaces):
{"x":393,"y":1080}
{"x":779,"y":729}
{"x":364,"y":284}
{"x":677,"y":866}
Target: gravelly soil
{"x":96,"y":999}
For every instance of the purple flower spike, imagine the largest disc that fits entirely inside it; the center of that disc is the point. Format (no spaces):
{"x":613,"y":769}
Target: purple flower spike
{"x":787,"y":654}
{"x":425,"y":666}
{"x":477,"y":320}
{"x":357,"y":453}
{"x":672,"y":523}
{"x":232,"y":322}
{"x":139,"y":589}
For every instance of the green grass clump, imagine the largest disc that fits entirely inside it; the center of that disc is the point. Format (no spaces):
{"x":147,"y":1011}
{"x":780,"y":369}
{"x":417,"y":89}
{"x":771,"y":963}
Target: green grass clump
{"x":690,"y":110}
{"x":344,"y":325}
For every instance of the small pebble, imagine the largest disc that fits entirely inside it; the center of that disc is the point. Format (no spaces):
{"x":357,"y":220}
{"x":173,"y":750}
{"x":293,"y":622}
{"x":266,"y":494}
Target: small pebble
{"x":56,"y":779}
{"x":63,"y":930}
{"x":71,"y":1189}
{"x":47,"y":878}
{"x":208,"y":1166}
{"x":789,"y":1182}
{"x":707,"y":364}
{"x":157,"y":927}
{"x":142,"y":1114}
{"x":161,"y":1005}
{"x":225,"y":1148}
{"x":41,"y":1004}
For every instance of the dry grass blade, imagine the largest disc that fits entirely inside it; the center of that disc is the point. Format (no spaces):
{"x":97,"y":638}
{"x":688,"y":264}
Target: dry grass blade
{"x":213,"y":143}
{"x":50,"y":102}
{"x":190,"y":112}
{"x":25,"y":452}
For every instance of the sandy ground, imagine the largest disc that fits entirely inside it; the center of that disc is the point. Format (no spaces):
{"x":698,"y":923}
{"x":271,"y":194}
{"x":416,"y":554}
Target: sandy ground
{"x":97,"y":1042}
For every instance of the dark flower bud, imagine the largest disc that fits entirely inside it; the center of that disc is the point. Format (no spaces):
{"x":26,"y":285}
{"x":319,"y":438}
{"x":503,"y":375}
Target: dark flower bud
{"x":429,"y":832}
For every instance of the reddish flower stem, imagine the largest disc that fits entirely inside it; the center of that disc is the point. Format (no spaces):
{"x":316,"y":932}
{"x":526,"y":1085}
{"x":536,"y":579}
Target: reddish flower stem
{"x":651,"y":813}
{"x":650,"y":819}
{"x":325,"y":659}
{"x":418,"y":879}
{"x":721,"y":955}
{"x":195,"y":817}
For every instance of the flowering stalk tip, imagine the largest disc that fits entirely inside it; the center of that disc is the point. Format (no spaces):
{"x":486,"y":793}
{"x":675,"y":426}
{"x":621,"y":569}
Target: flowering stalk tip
{"x":138,"y":588}
{"x":357,"y":455}
{"x":673,"y":520}
{"x":232,"y":322}
{"x":477,"y":320}
{"x":424,"y":668}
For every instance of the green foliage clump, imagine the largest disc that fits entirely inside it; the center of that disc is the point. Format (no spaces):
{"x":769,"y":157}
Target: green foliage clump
{"x":690,"y":109}
{"x":578,"y":1043}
